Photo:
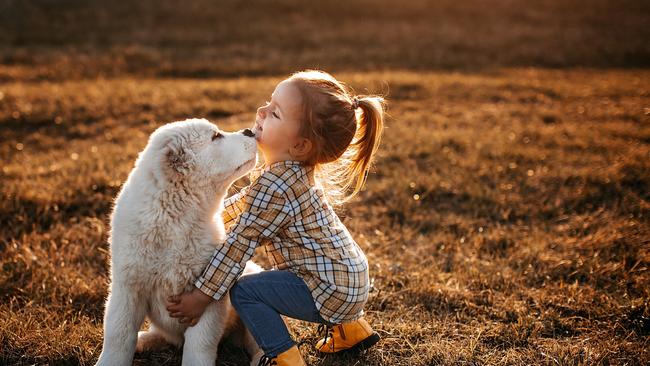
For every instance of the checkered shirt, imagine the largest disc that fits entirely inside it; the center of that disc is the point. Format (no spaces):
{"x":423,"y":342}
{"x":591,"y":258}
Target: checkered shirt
{"x":286,"y":212}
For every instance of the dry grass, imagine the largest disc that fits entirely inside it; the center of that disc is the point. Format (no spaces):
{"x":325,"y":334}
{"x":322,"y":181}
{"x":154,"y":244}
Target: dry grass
{"x":506,"y":220}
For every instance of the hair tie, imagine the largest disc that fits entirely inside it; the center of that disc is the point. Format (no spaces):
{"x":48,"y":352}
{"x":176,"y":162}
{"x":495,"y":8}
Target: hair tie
{"x":355,"y":103}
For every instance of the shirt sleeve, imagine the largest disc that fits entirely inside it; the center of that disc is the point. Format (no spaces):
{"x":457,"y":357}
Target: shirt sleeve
{"x":265,"y":212}
{"x":233,"y":206}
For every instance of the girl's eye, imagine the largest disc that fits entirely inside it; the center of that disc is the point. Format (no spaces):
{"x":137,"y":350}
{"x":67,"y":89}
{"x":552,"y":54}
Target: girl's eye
{"x":216,"y":135}
{"x":275,"y":115}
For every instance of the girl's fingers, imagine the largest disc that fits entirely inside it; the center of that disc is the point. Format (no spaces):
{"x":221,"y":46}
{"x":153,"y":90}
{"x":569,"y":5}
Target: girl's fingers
{"x":183,"y":320}
{"x":173,"y":308}
{"x":193,"y":322}
{"x":174,"y":299}
{"x":176,"y":314}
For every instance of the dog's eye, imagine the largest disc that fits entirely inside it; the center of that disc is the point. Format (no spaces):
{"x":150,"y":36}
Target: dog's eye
{"x":216,"y":135}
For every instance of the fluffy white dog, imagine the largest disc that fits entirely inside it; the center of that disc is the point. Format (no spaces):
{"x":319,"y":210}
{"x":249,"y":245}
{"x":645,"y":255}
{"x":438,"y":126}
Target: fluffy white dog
{"x":165,"y":226}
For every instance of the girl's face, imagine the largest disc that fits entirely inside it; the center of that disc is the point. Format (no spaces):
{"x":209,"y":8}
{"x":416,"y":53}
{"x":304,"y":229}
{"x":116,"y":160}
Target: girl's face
{"x":277,"y":123}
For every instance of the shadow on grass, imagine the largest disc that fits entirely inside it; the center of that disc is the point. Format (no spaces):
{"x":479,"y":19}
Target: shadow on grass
{"x":20,"y":216}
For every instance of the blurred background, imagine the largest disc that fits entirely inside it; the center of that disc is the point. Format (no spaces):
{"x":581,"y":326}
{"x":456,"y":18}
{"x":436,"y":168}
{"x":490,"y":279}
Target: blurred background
{"x":506,"y":220}
{"x":55,"y":39}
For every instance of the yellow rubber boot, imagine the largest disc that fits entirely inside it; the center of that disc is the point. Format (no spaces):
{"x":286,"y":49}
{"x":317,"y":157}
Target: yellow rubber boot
{"x":290,"y":357}
{"x":354,"y":336}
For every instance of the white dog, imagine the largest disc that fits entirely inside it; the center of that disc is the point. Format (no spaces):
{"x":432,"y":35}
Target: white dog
{"x":165,"y":226}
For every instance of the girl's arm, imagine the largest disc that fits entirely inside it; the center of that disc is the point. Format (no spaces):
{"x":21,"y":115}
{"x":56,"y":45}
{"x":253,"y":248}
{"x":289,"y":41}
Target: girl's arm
{"x":233,"y":206}
{"x":266,"y":211}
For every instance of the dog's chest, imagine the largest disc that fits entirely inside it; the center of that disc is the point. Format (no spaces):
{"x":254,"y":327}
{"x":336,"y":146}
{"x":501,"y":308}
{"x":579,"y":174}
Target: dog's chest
{"x":174,"y":269}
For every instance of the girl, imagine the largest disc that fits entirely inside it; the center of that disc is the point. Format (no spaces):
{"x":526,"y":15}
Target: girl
{"x":318,"y":142}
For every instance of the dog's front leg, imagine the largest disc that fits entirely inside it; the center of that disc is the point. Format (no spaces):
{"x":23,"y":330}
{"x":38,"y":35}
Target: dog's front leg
{"x":202,"y":340}
{"x":122,"y":320}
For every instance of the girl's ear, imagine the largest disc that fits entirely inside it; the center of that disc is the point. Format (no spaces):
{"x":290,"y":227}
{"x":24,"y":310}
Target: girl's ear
{"x":301,"y":149}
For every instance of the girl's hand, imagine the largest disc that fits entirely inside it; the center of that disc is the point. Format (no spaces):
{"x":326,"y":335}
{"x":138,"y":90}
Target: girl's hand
{"x":188,"y":306}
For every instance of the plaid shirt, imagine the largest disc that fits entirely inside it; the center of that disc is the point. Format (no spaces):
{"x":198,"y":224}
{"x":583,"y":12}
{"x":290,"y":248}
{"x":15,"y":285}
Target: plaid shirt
{"x":285,"y":211}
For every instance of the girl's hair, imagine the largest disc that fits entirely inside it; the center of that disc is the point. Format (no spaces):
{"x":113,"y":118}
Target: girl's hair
{"x":345,"y":132}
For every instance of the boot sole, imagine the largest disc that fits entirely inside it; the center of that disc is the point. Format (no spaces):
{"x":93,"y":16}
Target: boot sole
{"x":359,"y":347}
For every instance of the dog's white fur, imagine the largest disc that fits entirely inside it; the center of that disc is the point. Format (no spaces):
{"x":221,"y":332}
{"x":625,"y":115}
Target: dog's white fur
{"x":165,"y":226}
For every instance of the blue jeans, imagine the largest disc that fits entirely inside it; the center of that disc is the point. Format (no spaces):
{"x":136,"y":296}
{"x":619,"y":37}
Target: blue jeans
{"x":260,"y":299}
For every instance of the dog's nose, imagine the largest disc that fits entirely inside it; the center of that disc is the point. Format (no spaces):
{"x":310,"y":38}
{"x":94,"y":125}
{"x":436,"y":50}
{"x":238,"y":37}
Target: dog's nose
{"x":248,"y":133}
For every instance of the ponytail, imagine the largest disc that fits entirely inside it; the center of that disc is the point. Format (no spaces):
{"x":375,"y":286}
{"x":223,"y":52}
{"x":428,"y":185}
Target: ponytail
{"x":361,"y":152}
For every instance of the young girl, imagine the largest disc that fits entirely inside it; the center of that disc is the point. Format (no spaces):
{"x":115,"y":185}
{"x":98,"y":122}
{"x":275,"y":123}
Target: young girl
{"x":318,"y":142}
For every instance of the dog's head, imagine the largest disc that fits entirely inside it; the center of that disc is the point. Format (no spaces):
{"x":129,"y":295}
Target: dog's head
{"x":195,"y":150}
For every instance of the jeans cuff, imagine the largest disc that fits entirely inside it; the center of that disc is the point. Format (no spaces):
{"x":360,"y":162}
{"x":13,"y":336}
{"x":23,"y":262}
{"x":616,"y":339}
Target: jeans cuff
{"x":279,"y":349}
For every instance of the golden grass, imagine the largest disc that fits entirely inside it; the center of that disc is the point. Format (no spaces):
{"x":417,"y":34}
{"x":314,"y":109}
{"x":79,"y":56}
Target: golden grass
{"x":506,"y":220}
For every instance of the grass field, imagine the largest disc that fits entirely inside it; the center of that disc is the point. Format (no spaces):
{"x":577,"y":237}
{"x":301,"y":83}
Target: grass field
{"x":507,"y":219}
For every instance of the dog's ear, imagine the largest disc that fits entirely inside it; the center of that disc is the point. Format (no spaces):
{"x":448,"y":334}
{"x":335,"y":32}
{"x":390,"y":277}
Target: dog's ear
{"x":178,"y":158}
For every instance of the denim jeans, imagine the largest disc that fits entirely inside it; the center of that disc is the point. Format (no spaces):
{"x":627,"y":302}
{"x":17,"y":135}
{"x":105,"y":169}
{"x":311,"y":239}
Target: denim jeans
{"x":260,"y":299}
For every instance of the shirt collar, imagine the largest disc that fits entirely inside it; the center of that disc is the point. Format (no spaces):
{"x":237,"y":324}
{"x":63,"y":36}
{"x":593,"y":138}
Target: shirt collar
{"x":285,"y":163}
{"x":307,"y":170}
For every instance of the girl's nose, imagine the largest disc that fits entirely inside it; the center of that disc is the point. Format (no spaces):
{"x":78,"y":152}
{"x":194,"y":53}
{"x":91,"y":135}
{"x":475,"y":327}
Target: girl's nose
{"x":261,"y":111}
